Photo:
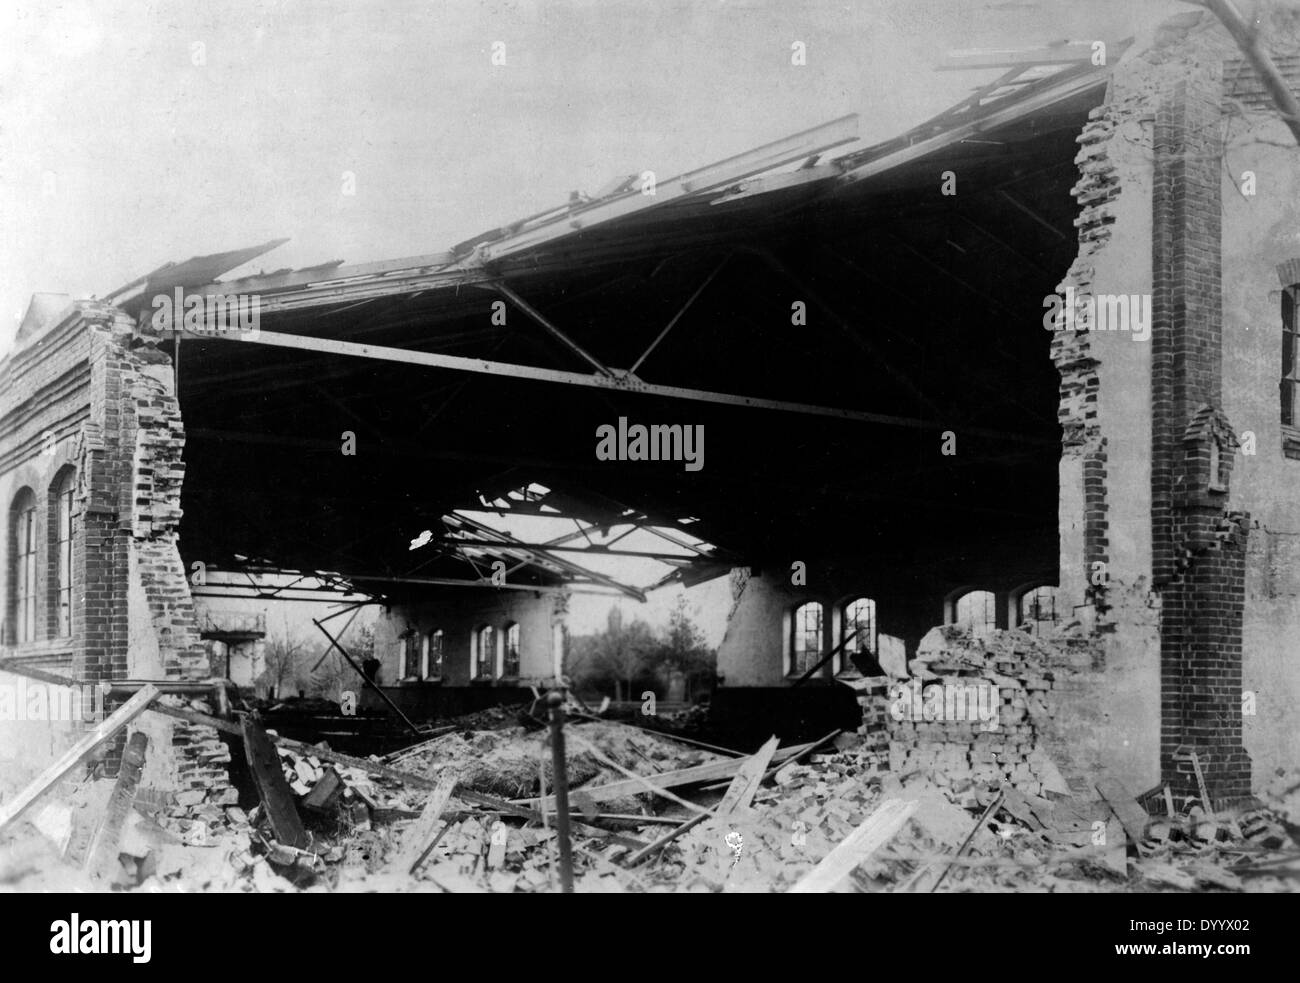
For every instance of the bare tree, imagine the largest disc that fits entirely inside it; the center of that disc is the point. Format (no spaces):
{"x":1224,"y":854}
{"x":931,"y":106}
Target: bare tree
{"x":334,"y":675}
{"x":621,"y":651}
{"x":284,"y":656}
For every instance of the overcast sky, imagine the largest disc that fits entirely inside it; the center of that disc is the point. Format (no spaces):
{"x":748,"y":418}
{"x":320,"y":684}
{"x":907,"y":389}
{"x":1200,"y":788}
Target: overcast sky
{"x":124,"y":144}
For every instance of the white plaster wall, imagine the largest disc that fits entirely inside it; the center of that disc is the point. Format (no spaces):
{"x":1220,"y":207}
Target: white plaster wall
{"x":1259,"y":233}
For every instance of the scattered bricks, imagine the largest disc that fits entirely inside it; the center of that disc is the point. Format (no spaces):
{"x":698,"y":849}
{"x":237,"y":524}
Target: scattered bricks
{"x":1018,"y":674}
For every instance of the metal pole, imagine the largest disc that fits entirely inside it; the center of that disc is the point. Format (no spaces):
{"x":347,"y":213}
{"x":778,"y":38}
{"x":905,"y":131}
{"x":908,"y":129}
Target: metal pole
{"x":560,"y":783}
{"x":564,"y":339}
{"x":367,"y":680}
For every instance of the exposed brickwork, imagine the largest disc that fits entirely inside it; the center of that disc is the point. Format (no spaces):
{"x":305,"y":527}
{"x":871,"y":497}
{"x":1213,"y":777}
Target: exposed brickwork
{"x":1198,"y":548}
{"x":1024,"y":676}
{"x":1072,"y":352}
{"x":107,"y":402}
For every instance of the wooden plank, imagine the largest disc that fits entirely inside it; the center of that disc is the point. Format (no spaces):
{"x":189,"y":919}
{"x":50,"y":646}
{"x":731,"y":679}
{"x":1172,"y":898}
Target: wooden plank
{"x":1127,"y":811}
{"x":405,"y":752}
{"x":667,"y":838}
{"x":103,"y":854}
{"x":670,"y":779}
{"x":874,"y":833}
{"x":274,"y":791}
{"x":194,"y":717}
{"x":1200,"y":784}
{"x":797,"y":752}
{"x":979,"y":824}
{"x":97,"y":735}
{"x":740,"y":793}
{"x":419,"y":838}
{"x":640,"y":782}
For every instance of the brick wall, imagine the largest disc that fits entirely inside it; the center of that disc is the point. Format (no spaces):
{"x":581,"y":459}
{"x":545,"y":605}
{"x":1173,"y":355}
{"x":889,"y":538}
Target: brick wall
{"x":1083,"y":448}
{"x":1198,"y":546}
{"x":106,"y":401}
{"x":1017,"y":738}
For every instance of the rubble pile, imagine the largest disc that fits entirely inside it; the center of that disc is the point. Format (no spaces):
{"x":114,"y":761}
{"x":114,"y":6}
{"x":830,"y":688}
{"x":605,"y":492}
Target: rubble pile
{"x":470,"y":812}
{"x":516,"y":763}
{"x":972,"y":711}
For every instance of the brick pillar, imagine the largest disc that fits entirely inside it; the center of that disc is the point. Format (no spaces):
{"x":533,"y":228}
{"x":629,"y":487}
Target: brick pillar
{"x":1198,"y":557}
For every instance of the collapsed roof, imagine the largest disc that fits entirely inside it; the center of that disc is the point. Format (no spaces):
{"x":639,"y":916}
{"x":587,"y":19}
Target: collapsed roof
{"x":922,"y":314}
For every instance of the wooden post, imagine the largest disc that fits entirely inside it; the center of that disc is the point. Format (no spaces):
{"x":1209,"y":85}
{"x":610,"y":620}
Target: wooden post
{"x":560,"y":781}
{"x":103,"y":855}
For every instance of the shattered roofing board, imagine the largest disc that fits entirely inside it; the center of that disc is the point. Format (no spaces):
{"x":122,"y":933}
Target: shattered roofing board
{"x":655,"y":258}
{"x":688,"y":196}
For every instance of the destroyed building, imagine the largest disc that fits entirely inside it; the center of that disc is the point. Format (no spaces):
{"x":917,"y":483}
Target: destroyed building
{"x":1028,"y":365}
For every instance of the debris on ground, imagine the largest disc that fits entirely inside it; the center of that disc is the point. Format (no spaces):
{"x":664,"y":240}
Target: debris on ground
{"x":472,"y":811}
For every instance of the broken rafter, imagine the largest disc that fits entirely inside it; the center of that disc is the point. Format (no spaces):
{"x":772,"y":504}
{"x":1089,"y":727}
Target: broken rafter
{"x":543,"y":547}
{"x":678,"y":316}
{"x":555,"y":332}
{"x":1018,"y":59}
{"x":1248,"y":40}
{"x":506,"y":540}
{"x":565,"y":222}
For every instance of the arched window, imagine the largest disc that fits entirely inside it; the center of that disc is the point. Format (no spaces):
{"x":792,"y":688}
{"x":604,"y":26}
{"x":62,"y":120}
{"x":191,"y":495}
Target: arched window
{"x":978,"y":609}
{"x":485,"y":652}
{"x":433,"y":655}
{"x":860,"y":623}
{"x":22,"y":537}
{"x":61,"y":529}
{"x":510,"y":665}
{"x":411,"y":662}
{"x":1037,"y":609}
{"x":859,"y":628}
{"x":806,"y":638}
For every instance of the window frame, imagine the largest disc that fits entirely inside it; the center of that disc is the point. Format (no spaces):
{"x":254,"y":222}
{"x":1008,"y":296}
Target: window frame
{"x":507,"y":647}
{"x":844,"y":660}
{"x":800,"y":631}
{"x":25,"y":569}
{"x":430,"y":650}
{"x":990,"y":622}
{"x":62,"y":531}
{"x":1028,"y":592}
{"x":488,"y":659}
{"x":411,"y":655}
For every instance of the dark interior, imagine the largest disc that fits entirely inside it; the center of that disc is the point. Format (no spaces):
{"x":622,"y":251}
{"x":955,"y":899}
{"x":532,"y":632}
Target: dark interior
{"x":919,"y":305}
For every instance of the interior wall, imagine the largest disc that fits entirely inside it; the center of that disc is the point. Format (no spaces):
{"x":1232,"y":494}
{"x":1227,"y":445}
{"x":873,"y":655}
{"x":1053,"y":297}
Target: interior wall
{"x":909,"y":591}
{"x":1260,"y":253}
{"x":459,"y":612}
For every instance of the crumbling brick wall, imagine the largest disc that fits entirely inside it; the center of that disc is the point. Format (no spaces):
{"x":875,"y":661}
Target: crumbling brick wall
{"x":107,"y":403}
{"x":1013,"y":738}
{"x":1155,"y":555}
{"x":1083,"y":447}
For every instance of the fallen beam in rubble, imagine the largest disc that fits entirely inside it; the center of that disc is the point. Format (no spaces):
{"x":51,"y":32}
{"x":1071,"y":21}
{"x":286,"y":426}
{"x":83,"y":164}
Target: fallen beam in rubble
{"x":875,"y":832}
{"x":70,"y":758}
{"x":713,"y":771}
